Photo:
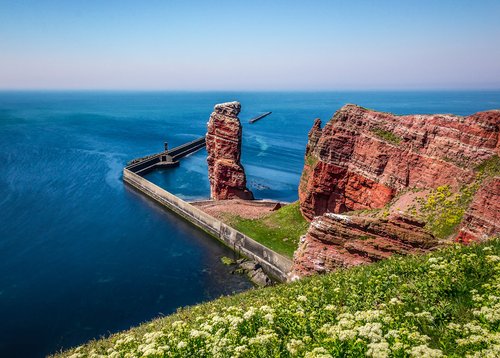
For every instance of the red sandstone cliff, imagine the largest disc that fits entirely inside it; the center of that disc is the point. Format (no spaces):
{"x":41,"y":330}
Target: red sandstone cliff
{"x":482,"y":218}
{"x":335,"y":241}
{"x":362,"y":159}
{"x":225,"y":172}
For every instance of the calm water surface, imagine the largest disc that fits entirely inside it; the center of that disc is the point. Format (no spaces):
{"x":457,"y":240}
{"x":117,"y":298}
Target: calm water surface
{"x":81,"y":255}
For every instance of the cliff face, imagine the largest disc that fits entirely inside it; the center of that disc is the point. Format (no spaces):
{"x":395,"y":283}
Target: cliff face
{"x":225,"y":172}
{"x":482,"y":218}
{"x":362,"y":158}
{"x":335,"y":241}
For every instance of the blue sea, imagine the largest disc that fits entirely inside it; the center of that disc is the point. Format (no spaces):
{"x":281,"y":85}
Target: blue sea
{"x":82,"y":255}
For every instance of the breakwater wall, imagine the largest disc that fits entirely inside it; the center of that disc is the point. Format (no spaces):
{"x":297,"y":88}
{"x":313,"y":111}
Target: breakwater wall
{"x":273,"y":263}
{"x":166,"y":159}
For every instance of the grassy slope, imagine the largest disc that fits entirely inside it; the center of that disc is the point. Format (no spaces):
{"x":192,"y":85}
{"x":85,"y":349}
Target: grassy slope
{"x":279,"y":230}
{"x":443,"y":303}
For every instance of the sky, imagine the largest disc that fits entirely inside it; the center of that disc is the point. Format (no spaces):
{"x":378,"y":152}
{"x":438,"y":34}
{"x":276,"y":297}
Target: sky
{"x":311,"y":45}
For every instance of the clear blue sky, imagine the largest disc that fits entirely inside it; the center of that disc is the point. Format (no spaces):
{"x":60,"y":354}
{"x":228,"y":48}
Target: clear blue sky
{"x":250,"y":45}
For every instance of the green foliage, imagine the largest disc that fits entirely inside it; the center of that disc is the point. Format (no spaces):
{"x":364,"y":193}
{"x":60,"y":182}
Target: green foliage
{"x":490,"y":167}
{"x":442,"y":304}
{"x":443,"y":210}
{"x":280,"y":230}
{"x":226,"y":260}
{"x":386,"y":135}
{"x":311,"y":160}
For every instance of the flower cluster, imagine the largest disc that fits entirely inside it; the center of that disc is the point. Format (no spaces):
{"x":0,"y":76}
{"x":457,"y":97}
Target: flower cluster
{"x":445,"y":304}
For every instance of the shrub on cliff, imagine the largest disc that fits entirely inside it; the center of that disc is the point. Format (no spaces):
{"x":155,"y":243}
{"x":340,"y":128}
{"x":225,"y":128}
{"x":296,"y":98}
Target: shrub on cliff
{"x":442,"y":210}
{"x":443,"y":304}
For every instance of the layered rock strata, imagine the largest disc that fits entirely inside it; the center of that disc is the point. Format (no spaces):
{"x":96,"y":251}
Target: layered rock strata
{"x":223,"y":139}
{"x":335,"y":241}
{"x":362,"y":158}
{"x":482,"y":219}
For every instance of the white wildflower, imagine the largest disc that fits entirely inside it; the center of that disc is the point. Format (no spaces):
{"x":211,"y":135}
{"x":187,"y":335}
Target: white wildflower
{"x":492,"y":258}
{"x":319,"y":352}
{"x":368,"y":316}
{"x":250,"y":313}
{"x":181,"y":345}
{"x":424,"y":351}
{"x":263,"y":338}
{"x":294,"y":346}
{"x":378,"y":350}
{"x":371,"y":331}
{"x":395,"y":301}
{"x":266,"y":309}
{"x":425,"y":315}
{"x":269,"y":317}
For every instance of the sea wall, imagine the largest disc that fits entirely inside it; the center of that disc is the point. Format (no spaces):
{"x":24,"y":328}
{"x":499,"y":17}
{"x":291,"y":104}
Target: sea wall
{"x":273,"y":263}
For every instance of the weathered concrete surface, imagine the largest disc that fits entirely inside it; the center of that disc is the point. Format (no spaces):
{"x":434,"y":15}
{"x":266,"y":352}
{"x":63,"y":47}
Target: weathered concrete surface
{"x":225,"y":172}
{"x":273,"y":263}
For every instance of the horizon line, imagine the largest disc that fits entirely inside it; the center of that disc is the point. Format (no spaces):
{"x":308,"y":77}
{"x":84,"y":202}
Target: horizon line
{"x":250,"y":90}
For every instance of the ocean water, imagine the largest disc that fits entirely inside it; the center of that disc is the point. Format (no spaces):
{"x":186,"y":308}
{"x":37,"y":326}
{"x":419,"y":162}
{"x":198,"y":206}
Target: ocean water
{"x":82,"y":255}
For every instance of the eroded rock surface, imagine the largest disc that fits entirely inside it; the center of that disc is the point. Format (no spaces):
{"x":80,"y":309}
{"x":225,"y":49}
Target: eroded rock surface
{"x":334,"y":241}
{"x":225,"y":172}
{"x":482,"y":218}
{"x":362,"y":158}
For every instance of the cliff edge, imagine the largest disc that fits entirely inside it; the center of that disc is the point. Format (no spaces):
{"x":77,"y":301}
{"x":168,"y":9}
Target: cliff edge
{"x":362,"y":158}
{"x":406,"y":183}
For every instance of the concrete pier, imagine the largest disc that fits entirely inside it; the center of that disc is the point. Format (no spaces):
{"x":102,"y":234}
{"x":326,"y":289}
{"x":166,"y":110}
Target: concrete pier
{"x":253,"y":120}
{"x":272,"y":263}
{"x":165,"y":159}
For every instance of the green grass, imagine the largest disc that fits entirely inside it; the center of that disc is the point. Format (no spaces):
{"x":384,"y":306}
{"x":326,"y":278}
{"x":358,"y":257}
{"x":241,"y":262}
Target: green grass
{"x":442,"y":210}
{"x":280,"y":230}
{"x":311,"y":160}
{"x":386,"y":135}
{"x":226,"y":260}
{"x":442,"y":304}
{"x":490,"y":167}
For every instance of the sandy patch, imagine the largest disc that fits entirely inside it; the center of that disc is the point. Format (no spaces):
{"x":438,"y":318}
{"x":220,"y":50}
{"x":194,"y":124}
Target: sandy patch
{"x":408,"y":200}
{"x":248,"y":209}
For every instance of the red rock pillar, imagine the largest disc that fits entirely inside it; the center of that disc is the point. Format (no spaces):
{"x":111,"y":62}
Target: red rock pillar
{"x":225,"y":172}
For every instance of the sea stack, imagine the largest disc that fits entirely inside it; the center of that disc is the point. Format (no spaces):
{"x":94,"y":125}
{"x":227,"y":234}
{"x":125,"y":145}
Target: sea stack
{"x":225,"y":172}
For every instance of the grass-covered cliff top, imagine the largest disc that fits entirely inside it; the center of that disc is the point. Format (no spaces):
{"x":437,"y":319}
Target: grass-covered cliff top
{"x":443,"y":304}
{"x":280,"y":230}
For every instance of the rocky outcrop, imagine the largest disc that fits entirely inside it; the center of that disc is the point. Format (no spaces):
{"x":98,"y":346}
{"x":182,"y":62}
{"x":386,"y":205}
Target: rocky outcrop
{"x":362,"y":158}
{"x":225,"y":172}
{"x":334,"y":241}
{"x":482,"y":219}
